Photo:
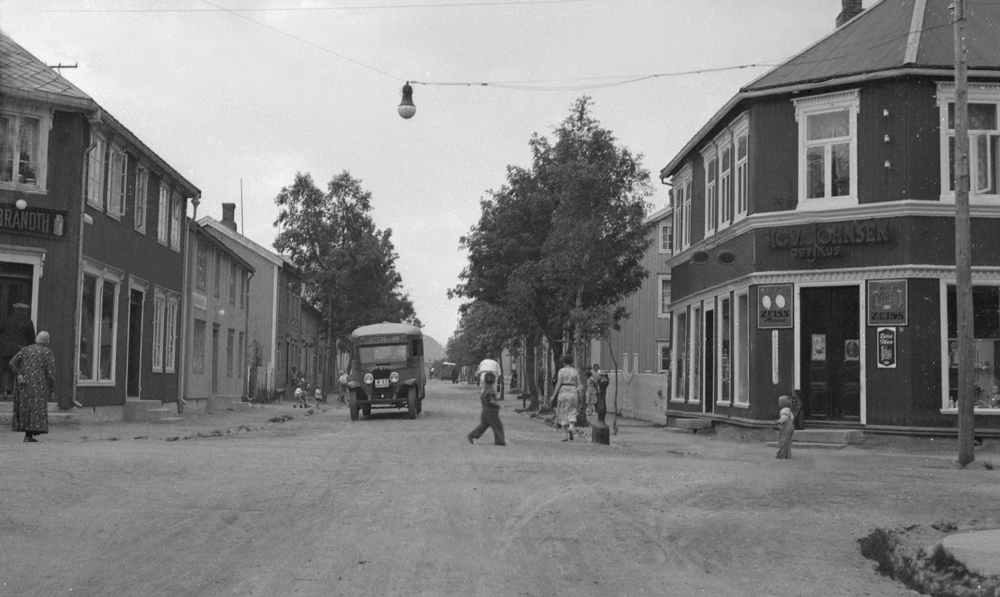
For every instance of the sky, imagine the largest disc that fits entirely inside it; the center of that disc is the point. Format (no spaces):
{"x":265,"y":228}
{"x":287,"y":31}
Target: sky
{"x":240,"y":95}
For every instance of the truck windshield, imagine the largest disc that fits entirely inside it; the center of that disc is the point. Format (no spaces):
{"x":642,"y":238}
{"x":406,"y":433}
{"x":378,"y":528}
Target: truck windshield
{"x":385,"y":353}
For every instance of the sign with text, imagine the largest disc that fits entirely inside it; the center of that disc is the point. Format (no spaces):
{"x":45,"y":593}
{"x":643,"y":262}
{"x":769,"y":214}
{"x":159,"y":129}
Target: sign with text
{"x":887,"y":302}
{"x":886,"y":347}
{"x":825,"y":241}
{"x":774,"y":306}
{"x":33,"y":220}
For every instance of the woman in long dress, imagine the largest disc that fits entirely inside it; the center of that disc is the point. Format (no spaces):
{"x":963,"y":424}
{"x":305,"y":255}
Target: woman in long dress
{"x":566,"y":396}
{"x":35,"y":373}
{"x":786,"y":426}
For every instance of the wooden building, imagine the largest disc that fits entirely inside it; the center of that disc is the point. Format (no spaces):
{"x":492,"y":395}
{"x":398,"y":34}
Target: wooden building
{"x":814,"y":231}
{"x":262,"y":296}
{"x":216,"y":366}
{"x":78,"y":188}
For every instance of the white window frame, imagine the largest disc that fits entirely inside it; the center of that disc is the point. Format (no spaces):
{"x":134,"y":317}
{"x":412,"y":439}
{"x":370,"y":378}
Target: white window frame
{"x":720,"y":335}
{"x":198,"y":347}
{"x":95,"y":173}
{"x":662,"y":311}
{"x":163,"y":219}
{"x":170,"y":335}
{"x":682,"y":204}
{"x":159,"y":328}
{"x":741,"y":348}
{"x":140,"y":199}
{"x":117,"y":182}
{"x":815,"y":106}
{"x":741,"y":170}
{"x":666,"y":237}
{"x":102,"y":274}
{"x":681,"y":341}
{"x":710,"y":163}
{"x":725,"y":187}
{"x":978,"y":94}
{"x":660,"y":346}
{"x":44,"y":117}
{"x":176,"y":217}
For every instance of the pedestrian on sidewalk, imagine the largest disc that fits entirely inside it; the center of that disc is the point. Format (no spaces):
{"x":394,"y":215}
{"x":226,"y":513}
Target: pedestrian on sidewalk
{"x":786,"y":425}
{"x":490,"y":417}
{"x":34,"y":369}
{"x":566,"y":396}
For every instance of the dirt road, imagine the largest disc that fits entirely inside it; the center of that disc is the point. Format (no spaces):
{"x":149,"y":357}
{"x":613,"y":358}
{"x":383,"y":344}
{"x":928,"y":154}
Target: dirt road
{"x":388,"y":506}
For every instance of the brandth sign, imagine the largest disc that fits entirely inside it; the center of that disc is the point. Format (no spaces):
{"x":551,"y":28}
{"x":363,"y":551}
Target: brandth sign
{"x":826,"y":240}
{"x":33,"y":220}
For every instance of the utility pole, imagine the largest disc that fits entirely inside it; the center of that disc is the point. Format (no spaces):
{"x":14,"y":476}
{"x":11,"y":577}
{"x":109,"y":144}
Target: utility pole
{"x":963,"y":248}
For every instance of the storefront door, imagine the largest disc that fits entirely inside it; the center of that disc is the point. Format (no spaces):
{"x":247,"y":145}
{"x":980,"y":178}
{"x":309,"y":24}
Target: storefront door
{"x":134,"y":342}
{"x":15,"y":287}
{"x":829,"y":365}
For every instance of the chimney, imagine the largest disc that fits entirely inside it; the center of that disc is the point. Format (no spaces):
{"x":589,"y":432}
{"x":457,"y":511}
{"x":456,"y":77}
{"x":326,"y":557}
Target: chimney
{"x":229,"y":216}
{"x":851,"y":9}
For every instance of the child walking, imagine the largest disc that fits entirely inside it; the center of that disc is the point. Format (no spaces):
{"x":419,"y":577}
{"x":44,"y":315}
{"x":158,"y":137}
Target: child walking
{"x":490,"y":418}
{"x":786,"y":425}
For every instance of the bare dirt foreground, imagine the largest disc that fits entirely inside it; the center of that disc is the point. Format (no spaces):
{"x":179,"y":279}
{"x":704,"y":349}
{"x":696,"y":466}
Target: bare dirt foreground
{"x":315,"y":505}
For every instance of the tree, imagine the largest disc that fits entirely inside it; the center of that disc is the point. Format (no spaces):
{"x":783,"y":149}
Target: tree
{"x":348,"y":265}
{"x":559,"y":246}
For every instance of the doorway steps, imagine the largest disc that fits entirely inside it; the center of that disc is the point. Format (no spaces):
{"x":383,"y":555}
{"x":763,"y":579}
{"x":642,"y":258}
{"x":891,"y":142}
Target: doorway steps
{"x":150,"y":411}
{"x":56,"y":416}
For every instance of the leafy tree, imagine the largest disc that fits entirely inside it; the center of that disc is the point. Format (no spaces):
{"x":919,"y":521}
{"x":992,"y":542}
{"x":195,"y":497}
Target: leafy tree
{"x":348,"y":265}
{"x":558,"y":246}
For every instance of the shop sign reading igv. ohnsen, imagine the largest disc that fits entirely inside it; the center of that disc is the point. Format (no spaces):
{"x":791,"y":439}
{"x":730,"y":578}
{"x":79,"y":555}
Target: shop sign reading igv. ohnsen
{"x":820,"y":241}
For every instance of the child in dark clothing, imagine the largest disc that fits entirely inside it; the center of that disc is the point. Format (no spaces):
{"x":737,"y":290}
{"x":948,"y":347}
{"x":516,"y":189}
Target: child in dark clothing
{"x":490,"y":418}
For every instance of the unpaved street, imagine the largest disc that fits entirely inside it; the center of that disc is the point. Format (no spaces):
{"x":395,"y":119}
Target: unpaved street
{"x":389,"y":506}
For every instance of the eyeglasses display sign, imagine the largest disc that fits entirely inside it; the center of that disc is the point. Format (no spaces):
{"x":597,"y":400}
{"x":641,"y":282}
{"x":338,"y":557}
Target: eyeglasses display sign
{"x":774,"y":306}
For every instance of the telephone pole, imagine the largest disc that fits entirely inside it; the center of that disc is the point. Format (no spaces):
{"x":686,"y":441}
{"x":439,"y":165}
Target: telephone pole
{"x":963,"y":248}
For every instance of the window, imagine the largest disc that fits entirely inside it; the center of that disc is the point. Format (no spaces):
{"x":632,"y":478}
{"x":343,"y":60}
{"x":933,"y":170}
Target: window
{"x":664,"y":298}
{"x":240,"y":355}
{"x":243,"y":289}
{"x":742,"y":183}
{"x":141,"y":194}
{"x":170,"y":342}
{"x":218,"y":273}
{"x":682,"y":342}
{"x":682,"y":208}
{"x":201,"y":265}
{"x":984,"y":140}
{"x":232,"y":282}
{"x":163,"y":219}
{"x":159,"y":321}
{"x":95,"y":174}
{"x":176,"y":218}
{"x":98,"y":325}
{"x":663,"y":349}
{"x":725,"y":349}
{"x":697,"y":336}
{"x":711,"y":193}
{"x":827,"y":150}
{"x":741,"y":351}
{"x":24,"y":142}
{"x":986,"y":342}
{"x":230,"y":351}
{"x":198,"y":358}
{"x":666,"y":237}
{"x":725,"y":186}
{"x":117,"y":183}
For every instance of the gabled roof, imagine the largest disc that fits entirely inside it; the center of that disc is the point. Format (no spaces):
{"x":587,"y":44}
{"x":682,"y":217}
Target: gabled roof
{"x":891,"y":38}
{"x":894,"y":34}
{"x":223,"y":232}
{"x":216,"y":239}
{"x":22,"y":74}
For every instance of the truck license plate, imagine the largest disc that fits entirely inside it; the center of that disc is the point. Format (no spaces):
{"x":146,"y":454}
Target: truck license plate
{"x":381,"y":383}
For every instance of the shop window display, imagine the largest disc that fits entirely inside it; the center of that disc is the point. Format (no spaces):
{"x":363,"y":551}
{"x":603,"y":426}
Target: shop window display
{"x":986,"y":334}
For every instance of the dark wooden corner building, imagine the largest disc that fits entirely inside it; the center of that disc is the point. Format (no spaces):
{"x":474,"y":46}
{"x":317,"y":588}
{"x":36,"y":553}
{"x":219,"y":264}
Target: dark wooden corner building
{"x":814,"y":231}
{"x":91,"y":238}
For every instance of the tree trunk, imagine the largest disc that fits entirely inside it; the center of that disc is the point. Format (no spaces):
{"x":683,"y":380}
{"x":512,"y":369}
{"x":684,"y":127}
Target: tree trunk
{"x":529,"y":377}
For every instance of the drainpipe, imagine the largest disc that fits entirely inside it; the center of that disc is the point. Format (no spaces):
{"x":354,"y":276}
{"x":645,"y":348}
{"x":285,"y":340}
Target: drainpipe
{"x":93,"y":119}
{"x":185,"y":307}
{"x":250,"y":391}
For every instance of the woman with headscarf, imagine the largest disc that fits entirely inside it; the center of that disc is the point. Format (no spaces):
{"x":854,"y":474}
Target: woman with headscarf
{"x":34,"y":369}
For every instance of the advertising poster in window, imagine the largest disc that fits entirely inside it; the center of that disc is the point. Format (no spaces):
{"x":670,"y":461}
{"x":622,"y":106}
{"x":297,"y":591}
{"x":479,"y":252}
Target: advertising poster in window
{"x":886,"y":348}
{"x":774,"y":306}
{"x":852,"y":350}
{"x":819,"y":347}
{"x":887,"y":302}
